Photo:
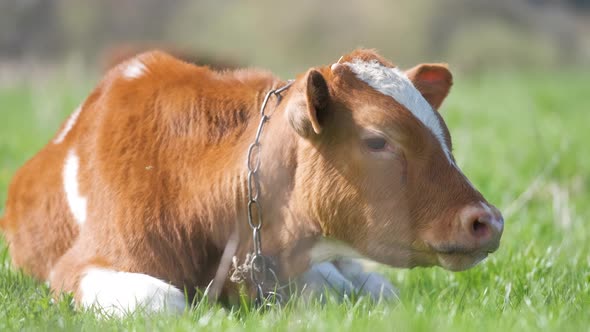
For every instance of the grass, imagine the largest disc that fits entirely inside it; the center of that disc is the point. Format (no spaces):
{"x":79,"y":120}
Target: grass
{"x":522,"y":138}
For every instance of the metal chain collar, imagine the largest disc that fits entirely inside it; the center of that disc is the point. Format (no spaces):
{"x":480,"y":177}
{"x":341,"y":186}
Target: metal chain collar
{"x":260,"y":265}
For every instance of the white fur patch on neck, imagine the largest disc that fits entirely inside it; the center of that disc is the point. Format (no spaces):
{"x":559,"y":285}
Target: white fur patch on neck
{"x":68,"y":126}
{"x":76,"y":201}
{"x":119,"y":293}
{"x":134,"y":69}
{"x":394,"y":83}
{"x":332,"y":268}
{"x":327,"y":249}
{"x":323,"y":277}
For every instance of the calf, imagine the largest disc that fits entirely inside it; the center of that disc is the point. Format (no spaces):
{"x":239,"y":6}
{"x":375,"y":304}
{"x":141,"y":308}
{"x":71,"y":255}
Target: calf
{"x":134,"y":200}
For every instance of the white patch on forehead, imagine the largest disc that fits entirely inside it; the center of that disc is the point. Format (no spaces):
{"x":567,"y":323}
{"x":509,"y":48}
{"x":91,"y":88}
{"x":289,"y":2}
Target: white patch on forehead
{"x":68,"y":126}
{"x":76,"y":201}
{"x":394,"y":83}
{"x":134,"y":69}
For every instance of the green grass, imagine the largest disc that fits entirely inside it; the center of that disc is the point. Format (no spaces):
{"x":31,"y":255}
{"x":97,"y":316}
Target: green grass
{"x":513,"y":134}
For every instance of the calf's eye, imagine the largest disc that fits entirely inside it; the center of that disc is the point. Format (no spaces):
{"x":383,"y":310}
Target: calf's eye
{"x":375,"y":143}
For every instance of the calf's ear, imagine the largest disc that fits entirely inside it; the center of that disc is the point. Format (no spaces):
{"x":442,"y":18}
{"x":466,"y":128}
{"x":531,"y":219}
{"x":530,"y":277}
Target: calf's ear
{"x":307,"y":108}
{"x":433,"y":80}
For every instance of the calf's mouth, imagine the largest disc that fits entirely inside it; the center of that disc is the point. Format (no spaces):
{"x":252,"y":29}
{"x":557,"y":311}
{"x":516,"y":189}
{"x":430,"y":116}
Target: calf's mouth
{"x":457,"y":257}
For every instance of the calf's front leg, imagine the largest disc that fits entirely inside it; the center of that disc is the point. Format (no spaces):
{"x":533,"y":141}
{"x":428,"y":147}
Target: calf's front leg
{"x":345,"y":277}
{"x":112,"y":292}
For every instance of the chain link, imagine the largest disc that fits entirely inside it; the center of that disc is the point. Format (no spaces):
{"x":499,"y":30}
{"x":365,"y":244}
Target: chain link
{"x":260,"y":264}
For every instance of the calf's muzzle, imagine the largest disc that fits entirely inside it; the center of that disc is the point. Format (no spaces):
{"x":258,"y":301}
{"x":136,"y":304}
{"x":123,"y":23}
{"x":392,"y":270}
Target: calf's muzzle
{"x":482,"y":227}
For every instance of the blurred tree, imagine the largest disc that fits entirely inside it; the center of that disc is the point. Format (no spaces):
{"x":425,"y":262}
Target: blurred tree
{"x":29,"y":26}
{"x":306,"y":32}
{"x":93,"y":25}
{"x":526,"y":24}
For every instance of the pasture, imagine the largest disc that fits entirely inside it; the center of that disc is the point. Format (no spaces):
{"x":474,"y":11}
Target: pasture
{"x":522,"y":139}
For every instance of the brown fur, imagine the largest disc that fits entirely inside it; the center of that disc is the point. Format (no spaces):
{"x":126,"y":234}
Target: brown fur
{"x":162,"y":165}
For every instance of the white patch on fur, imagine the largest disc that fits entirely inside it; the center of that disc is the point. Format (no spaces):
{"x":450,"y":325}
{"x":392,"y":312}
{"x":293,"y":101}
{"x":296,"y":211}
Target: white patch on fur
{"x":394,"y":83}
{"x":134,"y":69}
{"x":345,"y":278}
{"x":366,"y":282}
{"x":68,"y":126}
{"x":76,"y":201}
{"x":335,"y":267}
{"x":120,"y":293}
{"x":322,"y":277}
{"x":49,"y":277}
{"x":328,"y":249}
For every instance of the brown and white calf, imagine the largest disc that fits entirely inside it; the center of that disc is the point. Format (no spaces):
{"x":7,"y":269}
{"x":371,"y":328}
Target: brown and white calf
{"x":133,"y":201}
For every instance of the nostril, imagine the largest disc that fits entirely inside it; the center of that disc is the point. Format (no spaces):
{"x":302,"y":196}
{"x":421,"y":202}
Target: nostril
{"x":480,"y":229}
{"x":480,"y":226}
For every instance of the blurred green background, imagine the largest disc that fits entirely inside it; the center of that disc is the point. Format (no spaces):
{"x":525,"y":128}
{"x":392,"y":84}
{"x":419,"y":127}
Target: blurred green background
{"x":287,"y":37}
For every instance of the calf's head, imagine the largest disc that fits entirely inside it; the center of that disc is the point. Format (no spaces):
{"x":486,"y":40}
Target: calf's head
{"x":375,"y":167}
